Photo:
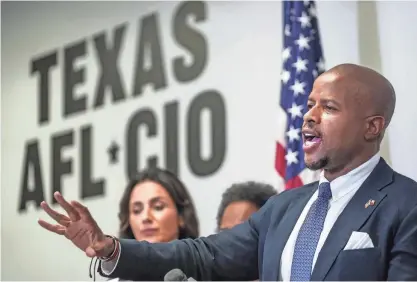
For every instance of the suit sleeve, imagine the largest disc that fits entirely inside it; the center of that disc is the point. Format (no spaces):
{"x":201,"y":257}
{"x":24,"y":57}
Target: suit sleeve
{"x":403,"y":263}
{"x":229,"y":255}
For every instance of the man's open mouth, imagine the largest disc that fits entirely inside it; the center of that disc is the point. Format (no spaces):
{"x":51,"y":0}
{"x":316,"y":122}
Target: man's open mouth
{"x":312,"y":141}
{"x":311,"y":138}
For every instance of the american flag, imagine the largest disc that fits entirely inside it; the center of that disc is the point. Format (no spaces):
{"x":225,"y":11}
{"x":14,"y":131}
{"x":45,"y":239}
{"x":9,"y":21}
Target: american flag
{"x":302,"y":59}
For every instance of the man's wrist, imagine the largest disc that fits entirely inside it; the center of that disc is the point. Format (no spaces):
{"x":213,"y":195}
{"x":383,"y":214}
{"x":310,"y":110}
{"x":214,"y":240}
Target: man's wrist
{"x":110,"y":247}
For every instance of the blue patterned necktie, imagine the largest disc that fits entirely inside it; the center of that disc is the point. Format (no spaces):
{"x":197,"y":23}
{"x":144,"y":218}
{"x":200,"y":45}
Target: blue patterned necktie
{"x":309,"y":235}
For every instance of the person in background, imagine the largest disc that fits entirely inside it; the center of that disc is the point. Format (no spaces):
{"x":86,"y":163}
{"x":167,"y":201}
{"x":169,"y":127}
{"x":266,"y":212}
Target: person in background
{"x":156,"y":207}
{"x":240,"y":201}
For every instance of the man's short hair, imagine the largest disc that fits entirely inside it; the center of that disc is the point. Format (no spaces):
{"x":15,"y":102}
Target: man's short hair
{"x":255,"y":192}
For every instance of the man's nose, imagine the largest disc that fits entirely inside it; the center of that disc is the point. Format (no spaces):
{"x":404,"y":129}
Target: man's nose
{"x":312,"y":115}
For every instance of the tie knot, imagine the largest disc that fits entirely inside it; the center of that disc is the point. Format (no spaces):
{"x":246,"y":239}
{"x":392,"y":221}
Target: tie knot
{"x":325,"y":191}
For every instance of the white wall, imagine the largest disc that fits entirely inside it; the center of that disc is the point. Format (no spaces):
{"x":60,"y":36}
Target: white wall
{"x":398,"y":42}
{"x":244,"y":65}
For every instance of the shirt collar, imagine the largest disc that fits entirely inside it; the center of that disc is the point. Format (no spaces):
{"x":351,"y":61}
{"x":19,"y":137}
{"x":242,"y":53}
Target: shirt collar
{"x":345,"y":183}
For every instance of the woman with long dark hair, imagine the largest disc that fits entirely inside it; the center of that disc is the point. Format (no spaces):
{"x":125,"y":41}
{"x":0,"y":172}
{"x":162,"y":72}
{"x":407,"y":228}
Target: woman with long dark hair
{"x":156,"y":207}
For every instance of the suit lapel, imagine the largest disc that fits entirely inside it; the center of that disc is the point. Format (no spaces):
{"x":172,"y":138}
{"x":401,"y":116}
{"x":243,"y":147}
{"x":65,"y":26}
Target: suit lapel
{"x":352,"y":218}
{"x":280,"y":235}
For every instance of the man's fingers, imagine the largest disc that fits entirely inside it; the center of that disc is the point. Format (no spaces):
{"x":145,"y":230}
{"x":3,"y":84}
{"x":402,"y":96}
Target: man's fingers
{"x":82,"y":210}
{"x":72,"y":213}
{"x":58,"y":229}
{"x":58,"y":217}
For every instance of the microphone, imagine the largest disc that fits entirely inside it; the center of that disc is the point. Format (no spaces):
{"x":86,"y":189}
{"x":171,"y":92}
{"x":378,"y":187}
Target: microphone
{"x":177,"y":275}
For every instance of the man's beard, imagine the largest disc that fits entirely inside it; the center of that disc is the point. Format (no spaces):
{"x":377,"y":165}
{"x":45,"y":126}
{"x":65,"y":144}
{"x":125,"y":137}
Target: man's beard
{"x":320,"y":164}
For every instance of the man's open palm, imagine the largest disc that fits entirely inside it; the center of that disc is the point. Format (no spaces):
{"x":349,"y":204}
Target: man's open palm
{"x":79,"y":226}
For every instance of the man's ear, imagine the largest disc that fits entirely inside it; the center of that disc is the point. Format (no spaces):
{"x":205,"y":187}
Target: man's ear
{"x":375,"y":126}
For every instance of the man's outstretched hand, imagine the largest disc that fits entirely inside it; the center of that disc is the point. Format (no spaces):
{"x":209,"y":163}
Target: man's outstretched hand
{"x":79,"y":227}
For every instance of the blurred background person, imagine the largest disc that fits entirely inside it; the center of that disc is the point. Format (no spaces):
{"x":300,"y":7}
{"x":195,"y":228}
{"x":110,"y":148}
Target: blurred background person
{"x":157,"y":207}
{"x":240,"y":201}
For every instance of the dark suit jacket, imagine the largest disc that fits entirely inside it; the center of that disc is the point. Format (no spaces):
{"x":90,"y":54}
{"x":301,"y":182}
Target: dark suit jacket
{"x":253,"y":249}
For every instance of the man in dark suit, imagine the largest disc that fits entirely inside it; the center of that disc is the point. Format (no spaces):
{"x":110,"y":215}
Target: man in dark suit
{"x":359,"y":222}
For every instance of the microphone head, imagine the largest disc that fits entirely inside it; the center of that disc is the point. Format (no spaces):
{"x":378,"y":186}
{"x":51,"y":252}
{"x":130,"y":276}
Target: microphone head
{"x":175,"y":275}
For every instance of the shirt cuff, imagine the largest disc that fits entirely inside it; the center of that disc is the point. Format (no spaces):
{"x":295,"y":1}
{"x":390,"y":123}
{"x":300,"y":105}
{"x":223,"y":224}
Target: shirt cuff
{"x":109,"y":266}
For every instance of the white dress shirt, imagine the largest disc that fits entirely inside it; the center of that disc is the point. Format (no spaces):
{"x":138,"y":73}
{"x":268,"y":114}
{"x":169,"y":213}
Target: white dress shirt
{"x":343,"y":188}
{"x":109,"y":266}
